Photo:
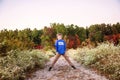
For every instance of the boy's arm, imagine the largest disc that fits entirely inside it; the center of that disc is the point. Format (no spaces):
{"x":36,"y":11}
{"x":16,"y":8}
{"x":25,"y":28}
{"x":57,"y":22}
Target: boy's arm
{"x":65,"y":45}
{"x":56,"y":46}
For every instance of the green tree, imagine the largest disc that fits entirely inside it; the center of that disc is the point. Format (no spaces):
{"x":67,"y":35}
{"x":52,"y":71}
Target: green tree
{"x":96,"y":33}
{"x":36,"y":34}
{"x":59,"y":28}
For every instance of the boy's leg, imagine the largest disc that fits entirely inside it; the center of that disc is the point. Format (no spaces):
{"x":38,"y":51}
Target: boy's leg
{"x":55,"y":60}
{"x":68,"y":60}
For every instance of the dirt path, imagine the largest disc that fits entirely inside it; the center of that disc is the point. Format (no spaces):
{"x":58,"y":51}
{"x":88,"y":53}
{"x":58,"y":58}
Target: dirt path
{"x":62,"y":71}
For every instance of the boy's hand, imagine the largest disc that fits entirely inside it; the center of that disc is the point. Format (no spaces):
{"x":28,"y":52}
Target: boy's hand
{"x":54,"y":52}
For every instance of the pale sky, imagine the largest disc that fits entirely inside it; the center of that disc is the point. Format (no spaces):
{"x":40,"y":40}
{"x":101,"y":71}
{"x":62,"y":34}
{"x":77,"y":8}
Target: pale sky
{"x":32,"y":14}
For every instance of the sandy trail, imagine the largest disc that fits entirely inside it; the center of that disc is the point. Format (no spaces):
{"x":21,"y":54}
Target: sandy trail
{"x":62,"y":71}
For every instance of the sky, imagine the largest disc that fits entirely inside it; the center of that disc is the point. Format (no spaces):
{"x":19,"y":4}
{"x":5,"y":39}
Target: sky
{"x":21,"y":14}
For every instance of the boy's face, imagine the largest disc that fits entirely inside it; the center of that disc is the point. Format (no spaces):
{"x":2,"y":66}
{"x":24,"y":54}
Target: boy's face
{"x":59,"y":37}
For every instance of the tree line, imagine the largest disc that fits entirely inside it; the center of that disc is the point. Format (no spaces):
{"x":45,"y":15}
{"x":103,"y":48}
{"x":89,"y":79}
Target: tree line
{"x":45,"y":38}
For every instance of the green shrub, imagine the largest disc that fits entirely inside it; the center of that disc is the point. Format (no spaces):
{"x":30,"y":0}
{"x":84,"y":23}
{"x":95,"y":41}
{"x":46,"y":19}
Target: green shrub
{"x":16,"y":63}
{"x":105,"y":58}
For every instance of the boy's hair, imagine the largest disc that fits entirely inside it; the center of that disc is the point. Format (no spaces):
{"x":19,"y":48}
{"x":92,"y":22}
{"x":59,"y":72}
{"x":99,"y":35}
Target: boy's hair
{"x":59,"y":34}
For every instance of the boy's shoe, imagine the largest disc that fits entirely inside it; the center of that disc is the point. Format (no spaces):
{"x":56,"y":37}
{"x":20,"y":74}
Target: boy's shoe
{"x":49,"y":68}
{"x":73,"y":67}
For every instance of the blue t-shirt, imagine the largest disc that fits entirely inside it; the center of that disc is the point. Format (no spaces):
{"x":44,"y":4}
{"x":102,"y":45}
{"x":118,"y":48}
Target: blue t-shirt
{"x":60,"y":46}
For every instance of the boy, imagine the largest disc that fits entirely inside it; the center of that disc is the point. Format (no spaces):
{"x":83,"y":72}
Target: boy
{"x":61,"y":50}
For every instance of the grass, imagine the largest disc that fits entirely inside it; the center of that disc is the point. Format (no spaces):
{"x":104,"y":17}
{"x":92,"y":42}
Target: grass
{"x":105,"y":58}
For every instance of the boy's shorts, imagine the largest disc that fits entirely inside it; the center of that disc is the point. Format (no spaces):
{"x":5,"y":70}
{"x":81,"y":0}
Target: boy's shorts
{"x":61,"y":53}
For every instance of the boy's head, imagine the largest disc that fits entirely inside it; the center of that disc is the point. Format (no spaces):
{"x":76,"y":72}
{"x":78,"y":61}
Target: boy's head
{"x":59,"y":36}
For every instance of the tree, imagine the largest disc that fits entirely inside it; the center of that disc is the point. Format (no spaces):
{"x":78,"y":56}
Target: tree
{"x":59,"y":28}
{"x":36,"y":34}
{"x":109,"y":30}
{"x":96,"y":33}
